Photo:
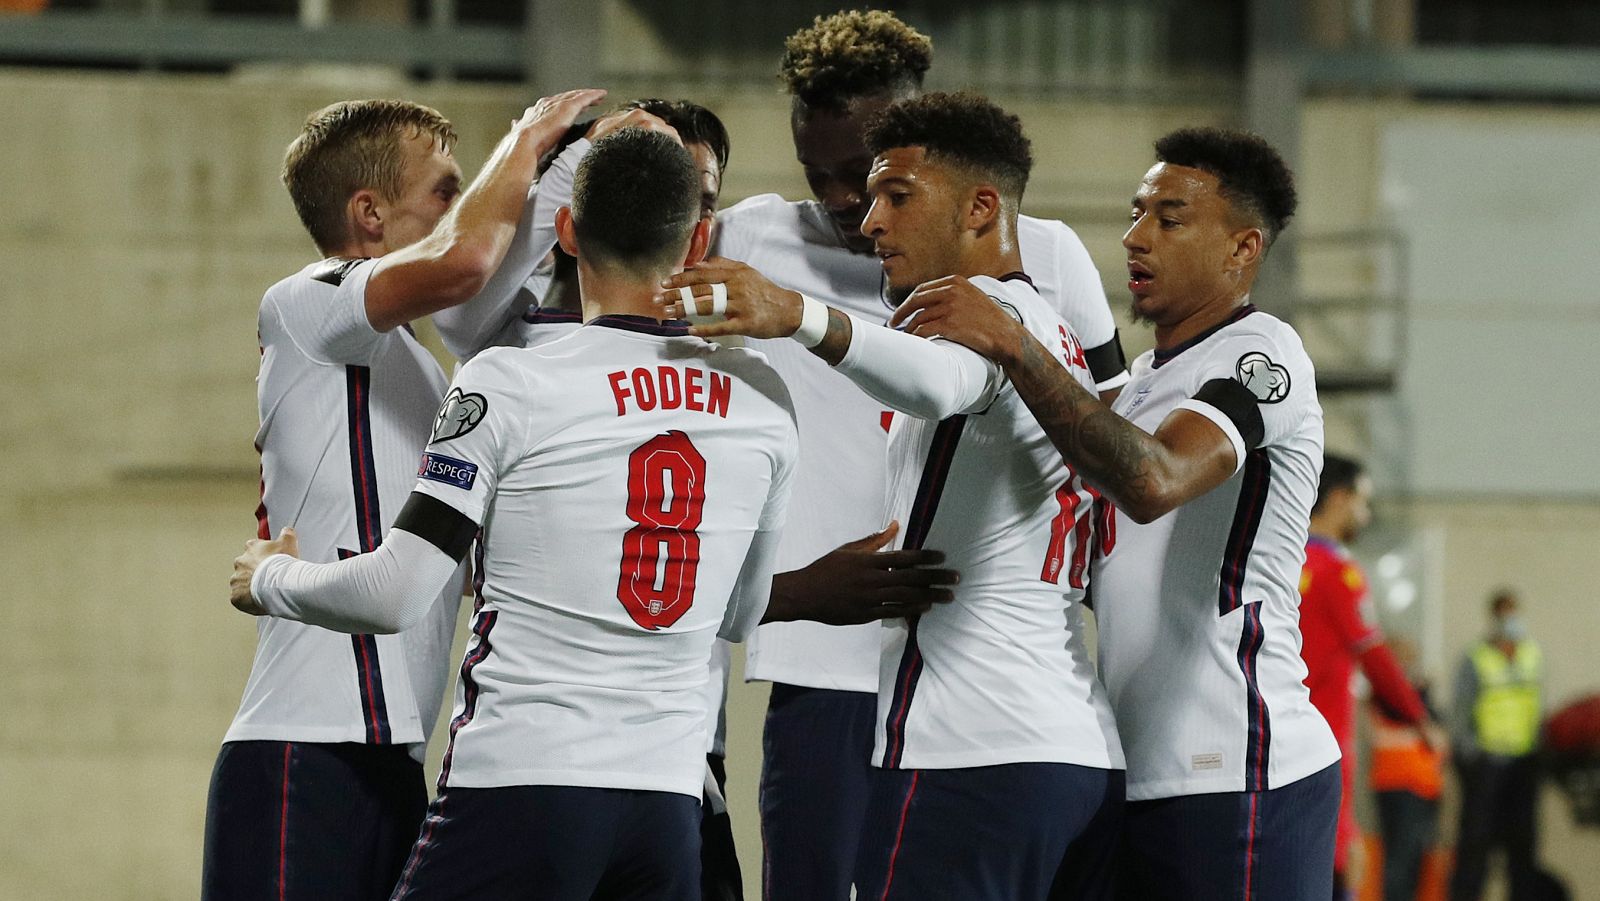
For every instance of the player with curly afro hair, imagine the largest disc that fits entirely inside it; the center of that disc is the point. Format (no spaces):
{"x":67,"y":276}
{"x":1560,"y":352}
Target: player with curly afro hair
{"x":842,"y":71}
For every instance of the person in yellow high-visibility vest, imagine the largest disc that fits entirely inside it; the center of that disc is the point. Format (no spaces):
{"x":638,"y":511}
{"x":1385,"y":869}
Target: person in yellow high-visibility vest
{"x":1495,"y":736}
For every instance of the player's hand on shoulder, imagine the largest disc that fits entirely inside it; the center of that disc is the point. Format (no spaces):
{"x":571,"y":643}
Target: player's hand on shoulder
{"x":245,"y":565}
{"x":955,"y":309}
{"x":860,"y":583}
{"x":630,"y":118}
{"x":548,"y":119}
{"x":750,"y":304}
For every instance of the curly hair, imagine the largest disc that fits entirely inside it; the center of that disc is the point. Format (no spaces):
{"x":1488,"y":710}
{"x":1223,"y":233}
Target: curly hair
{"x":1251,"y":174}
{"x":853,"y":53}
{"x":346,"y":147}
{"x":964,"y":129}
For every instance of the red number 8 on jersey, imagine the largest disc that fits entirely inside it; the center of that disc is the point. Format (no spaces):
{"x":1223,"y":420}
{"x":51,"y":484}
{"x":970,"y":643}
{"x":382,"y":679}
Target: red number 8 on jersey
{"x":661,"y":553}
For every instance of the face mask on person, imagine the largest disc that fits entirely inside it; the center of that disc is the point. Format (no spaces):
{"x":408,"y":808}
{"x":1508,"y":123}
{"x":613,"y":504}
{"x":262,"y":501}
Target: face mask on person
{"x":1512,"y":628}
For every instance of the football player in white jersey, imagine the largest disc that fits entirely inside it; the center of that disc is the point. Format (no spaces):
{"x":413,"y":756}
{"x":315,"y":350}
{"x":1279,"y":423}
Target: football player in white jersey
{"x":841,"y":71}
{"x":1211,"y":457}
{"x":318,"y":791}
{"x":629,"y":482}
{"x":999,"y":770}
{"x":546,"y":306}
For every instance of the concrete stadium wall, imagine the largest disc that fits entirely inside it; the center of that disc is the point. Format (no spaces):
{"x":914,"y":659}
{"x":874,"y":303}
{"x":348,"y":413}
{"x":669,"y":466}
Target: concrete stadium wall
{"x":144,"y":220}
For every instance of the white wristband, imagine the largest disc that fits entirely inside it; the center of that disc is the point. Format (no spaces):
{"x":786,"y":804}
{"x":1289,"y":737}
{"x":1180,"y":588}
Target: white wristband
{"x":813,"y":322}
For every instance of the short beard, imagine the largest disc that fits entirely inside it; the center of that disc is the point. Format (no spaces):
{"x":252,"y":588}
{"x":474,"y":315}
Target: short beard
{"x":1135,"y":315}
{"x":898,"y":296}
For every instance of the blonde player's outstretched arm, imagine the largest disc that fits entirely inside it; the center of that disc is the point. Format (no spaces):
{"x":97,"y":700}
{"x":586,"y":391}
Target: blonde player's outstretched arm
{"x":455,"y":261}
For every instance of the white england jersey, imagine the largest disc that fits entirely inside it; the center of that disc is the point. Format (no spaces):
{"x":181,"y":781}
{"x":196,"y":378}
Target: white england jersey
{"x":1001,"y":674}
{"x":838,"y":495}
{"x":1198,"y":612}
{"x":624,"y":477}
{"x":345,"y":411}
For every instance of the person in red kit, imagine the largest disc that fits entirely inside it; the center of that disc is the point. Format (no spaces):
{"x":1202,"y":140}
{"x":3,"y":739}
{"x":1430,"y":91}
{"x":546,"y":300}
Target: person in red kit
{"x":1339,"y":632}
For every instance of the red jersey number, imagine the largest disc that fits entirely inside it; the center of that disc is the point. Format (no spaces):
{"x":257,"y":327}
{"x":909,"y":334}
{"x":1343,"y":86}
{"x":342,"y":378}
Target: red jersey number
{"x":661,"y":553}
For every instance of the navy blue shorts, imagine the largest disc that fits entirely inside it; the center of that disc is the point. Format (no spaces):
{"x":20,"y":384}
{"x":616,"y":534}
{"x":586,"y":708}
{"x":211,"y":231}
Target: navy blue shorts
{"x":288,"y":820}
{"x":556,"y":843}
{"x":1274,"y":845}
{"x":815,"y":777}
{"x":720,"y":878}
{"x":1014,"y":832}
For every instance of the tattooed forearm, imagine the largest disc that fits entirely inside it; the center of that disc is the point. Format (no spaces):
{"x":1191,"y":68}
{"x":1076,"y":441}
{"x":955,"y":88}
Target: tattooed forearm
{"x":836,"y":341}
{"x":1113,"y":454}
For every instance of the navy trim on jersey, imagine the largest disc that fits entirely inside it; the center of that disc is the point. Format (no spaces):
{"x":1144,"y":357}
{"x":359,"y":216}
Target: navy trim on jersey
{"x":542,"y":316}
{"x":941,"y":454}
{"x":642,"y":324}
{"x":1235,"y":401}
{"x":438,"y":523}
{"x":364,"y":479}
{"x":1253,"y":490}
{"x":1258,"y":723}
{"x":1164,"y":357}
{"x":369,"y":682}
{"x":1247,"y":517}
{"x":1106,"y":361}
{"x":482,"y":624}
{"x":364,"y":474}
{"x":1017,"y":275}
{"x":334,"y":270}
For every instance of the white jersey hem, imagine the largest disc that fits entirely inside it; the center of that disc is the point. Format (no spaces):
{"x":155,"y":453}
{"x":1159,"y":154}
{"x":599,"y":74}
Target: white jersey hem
{"x":691,"y":786}
{"x":1177,"y":788}
{"x":966,"y":760}
{"x":404,"y":734}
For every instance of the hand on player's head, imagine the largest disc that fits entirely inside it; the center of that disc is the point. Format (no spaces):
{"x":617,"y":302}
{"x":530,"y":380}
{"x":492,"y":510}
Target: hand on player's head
{"x":245,"y":565}
{"x":955,"y":309}
{"x":755,"y":307}
{"x":631,"y":118}
{"x":550,"y":117}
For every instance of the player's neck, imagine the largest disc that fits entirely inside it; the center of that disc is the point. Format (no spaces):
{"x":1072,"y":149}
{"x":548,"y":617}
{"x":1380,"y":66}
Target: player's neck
{"x":608,"y":293}
{"x":1201,"y":320}
{"x":995,"y":257}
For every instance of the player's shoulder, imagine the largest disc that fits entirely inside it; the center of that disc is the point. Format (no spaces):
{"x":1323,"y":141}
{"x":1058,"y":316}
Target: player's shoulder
{"x":758,"y":209}
{"x":313,"y":283}
{"x":753,"y":367}
{"x":1019,"y":297}
{"x":1261,"y":348}
{"x":500,"y":367}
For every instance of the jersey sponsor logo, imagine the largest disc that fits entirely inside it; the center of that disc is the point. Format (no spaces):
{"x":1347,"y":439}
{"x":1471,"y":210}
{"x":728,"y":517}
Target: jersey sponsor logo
{"x":1265,"y":379}
{"x":460,"y":414}
{"x":449,"y":470}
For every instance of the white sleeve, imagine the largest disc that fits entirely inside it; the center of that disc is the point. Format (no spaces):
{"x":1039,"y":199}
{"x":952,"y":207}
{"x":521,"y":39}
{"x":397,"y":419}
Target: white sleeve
{"x":748,"y":602}
{"x":1257,"y":387}
{"x":927,"y":379}
{"x":385,"y":591}
{"x":329,"y":329}
{"x":470,"y":327}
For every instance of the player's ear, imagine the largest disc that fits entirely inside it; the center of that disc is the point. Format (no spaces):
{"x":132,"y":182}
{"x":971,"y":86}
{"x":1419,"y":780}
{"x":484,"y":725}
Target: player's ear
{"x":983,"y":207}
{"x":366,"y":215}
{"x":565,"y":235}
{"x":699,"y":242}
{"x":1248,"y":245}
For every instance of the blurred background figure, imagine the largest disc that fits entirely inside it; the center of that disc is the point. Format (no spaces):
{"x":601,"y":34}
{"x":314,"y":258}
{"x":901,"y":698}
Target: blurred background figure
{"x":1406,"y":774}
{"x":1339,"y":632}
{"x":1494,"y":732}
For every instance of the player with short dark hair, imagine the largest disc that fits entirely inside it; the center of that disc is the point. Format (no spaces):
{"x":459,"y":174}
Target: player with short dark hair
{"x":577,"y":748}
{"x":1210,"y":458}
{"x":841,"y":71}
{"x":318,"y":788}
{"x":997,"y":766}
{"x":1339,"y":631}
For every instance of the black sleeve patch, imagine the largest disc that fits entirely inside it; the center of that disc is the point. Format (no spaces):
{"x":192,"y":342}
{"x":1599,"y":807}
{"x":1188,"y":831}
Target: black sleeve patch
{"x":440,"y":524}
{"x":335,"y":270}
{"x":459,"y":415}
{"x":1239,"y":405}
{"x":1106,"y":361}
